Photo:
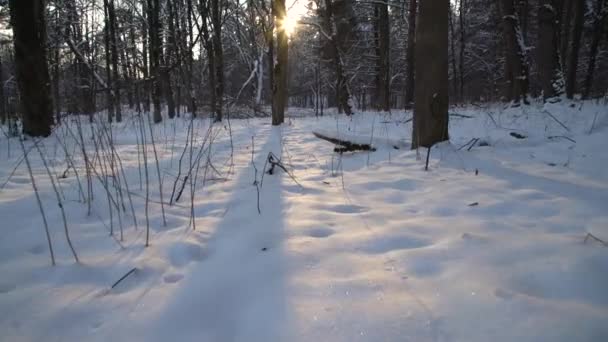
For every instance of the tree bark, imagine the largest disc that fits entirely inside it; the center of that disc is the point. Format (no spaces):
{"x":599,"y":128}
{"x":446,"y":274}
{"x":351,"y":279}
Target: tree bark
{"x":218,"y":57}
{"x":383,"y":55}
{"x":339,"y":23}
{"x":461,"y":16}
{"x":598,"y":24}
{"x":155,"y":46}
{"x":549,"y":70}
{"x":410,"y":55}
{"x":29,"y":37}
{"x":565,"y":25}
{"x":279,"y":98}
{"x":516,"y":64}
{"x":430,"y":124}
{"x":115,"y":75}
{"x":577,"y":31}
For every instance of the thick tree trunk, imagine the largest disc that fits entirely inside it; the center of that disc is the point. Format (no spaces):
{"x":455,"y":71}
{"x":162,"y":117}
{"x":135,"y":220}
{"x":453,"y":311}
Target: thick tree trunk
{"x":279,"y":97}
{"x":550,"y":75}
{"x":29,"y":36}
{"x":410,"y":55}
{"x":577,"y":31}
{"x":598,"y":24}
{"x":565,"y":25}
{"x":461,"y":16}
{"x":339,"y":23}
{"x":430,"y":124}
{"x":516,"y":64}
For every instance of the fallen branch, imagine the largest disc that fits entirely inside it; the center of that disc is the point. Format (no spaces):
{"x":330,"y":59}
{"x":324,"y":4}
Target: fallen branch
{"x":461,"y":115}
{"x":344,"y":145}
{"x":593,"y":237}
{"x":556,"y":120}
{"x":124,"y":276}
{"x":561,"y":136}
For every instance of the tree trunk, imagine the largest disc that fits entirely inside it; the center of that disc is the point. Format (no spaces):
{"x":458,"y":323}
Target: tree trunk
{"x":577,"y":30}
{"x":461,"y":15}
{"x":338,"y":21}
{"x":430,"y":124}
{"x":383,"y":54}
{"x":598,"y":24}
{"x":279,"y":98}
{"x":218,"y":57}
{"x":3,"y":116}
{"x":516,"y":65}
{"x":155,"y":46}
{"x":167,"y":60}
{"x":108,"y":59}
{"x":566,"y":19}
{"x":115,"y":75}
{"x":549,"y":70}
{"x":410,"y":55}
{"x":29,"y":36}
{"x":453,"y":52}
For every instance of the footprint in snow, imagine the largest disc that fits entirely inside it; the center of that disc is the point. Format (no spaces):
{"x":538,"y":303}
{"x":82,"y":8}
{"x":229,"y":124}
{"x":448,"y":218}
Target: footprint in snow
{"x":504,"y":294}
{"x":38,"y":249}
{"x":383,"y":244}
{"x":181,"y":254}
{"x":173,"y":278}
{"x":6,"y":288}
{"x":346,"y":209}
{"x":320,"y":232}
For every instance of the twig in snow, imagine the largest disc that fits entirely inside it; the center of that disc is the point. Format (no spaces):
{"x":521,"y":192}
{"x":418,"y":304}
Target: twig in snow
{"x":46,"y":225}
{"x":59,"y":202}
{"x":593,"y":237}
{"x":124,"y":276}
{"x":556,"y":120}
{"x":561,"y":136}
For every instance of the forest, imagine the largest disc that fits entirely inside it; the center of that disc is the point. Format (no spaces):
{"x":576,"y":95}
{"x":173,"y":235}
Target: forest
{"x":300,"y":170}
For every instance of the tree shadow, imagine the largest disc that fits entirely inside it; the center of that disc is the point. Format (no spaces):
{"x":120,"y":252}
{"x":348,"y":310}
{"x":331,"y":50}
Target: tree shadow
{"x":238,"y":292}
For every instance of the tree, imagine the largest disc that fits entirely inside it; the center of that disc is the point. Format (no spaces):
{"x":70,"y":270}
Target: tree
{"x":218,"y":57}
{"x":279,"y":91}
{"x":410,"y":58}
{"x":29,"y":37}
{"x":516,"y":63}
{"x":382,"y":53}
{"x":600,"y":15}
{"x":577,"y":30}
{"x":430,"y":124}
{"x":550,"y":75}
{"x":153,"y":7}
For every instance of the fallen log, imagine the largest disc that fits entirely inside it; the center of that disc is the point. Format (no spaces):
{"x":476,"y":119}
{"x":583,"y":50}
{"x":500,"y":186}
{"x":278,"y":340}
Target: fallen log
{"x":345,"y":145}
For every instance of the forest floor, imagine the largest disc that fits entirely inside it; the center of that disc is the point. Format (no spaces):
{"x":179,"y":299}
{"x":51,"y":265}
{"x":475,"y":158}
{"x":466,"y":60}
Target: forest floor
{"x":490,"y":244}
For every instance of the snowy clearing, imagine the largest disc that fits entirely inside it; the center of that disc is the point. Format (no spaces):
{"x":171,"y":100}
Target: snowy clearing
{"x":489,"y":244}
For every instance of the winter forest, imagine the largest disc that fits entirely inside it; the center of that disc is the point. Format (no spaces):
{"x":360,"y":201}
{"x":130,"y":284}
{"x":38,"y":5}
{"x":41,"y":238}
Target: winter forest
{"x":303,"y":170}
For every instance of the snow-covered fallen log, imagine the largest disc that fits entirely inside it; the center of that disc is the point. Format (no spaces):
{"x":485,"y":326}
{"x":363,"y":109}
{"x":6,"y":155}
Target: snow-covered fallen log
{"x":351,"y":142}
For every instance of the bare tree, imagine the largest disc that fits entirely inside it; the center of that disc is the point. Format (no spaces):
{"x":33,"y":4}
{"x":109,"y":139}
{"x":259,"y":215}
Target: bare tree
{"x":29,"y":36}
{"x":516,"y":63}
{"x":550,"y":74}
{"x":279,"y":91}
{"x":430,"y":124}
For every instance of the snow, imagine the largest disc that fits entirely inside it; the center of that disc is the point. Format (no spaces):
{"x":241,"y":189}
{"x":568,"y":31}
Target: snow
{"x":364,"y":246}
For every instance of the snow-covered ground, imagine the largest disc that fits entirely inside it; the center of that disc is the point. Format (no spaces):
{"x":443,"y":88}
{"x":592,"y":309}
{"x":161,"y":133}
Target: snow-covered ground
{"x":488,"y":245}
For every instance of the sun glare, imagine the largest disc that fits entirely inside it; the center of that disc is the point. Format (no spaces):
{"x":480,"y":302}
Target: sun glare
{"x":296,"y":9}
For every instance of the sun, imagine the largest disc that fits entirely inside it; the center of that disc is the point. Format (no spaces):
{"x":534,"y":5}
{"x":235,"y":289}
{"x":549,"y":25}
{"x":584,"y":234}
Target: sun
{"x":290,"y":23}
{"x":296,"y":9}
